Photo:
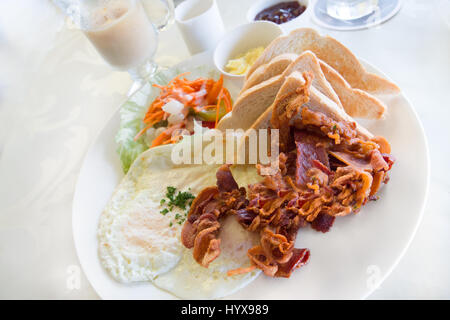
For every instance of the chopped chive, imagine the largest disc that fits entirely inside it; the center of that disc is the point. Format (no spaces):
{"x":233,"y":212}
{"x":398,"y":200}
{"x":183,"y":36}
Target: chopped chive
{"x":182,"y":200}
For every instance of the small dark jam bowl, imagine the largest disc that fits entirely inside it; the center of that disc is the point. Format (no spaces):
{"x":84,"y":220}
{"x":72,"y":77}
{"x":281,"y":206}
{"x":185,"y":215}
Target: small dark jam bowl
{"x":256,"y":10}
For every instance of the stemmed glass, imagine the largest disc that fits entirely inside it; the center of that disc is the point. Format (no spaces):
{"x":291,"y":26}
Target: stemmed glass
{"x":122,"y":31}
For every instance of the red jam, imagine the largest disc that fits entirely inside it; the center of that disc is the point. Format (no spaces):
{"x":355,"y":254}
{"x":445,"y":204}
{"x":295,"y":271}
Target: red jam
{"x":281,"y":12}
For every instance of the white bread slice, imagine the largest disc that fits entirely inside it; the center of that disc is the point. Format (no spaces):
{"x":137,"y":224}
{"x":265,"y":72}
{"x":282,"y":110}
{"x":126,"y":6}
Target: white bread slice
{"x":330,"y":51}
{"x":287,"y":94}
{"x":254,"y":101}
{"x":266,"y":71}
{"x":308,"y":62}
{"x":250,"y":104}
{"x":357,"y":103}
{"x":226,"y":122}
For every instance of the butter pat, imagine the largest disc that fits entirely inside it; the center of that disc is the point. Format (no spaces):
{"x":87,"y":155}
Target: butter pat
{"x":241,"y":63}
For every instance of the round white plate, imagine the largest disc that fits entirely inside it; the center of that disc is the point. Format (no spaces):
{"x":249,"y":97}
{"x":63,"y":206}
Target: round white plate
{"x":349,"y":262}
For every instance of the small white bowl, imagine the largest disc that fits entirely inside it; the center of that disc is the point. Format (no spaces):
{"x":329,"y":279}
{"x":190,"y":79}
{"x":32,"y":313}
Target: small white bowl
{"x":240,"y":40}
{"x":264,"y":4}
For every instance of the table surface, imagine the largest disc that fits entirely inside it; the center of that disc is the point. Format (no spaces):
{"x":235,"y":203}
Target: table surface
{"x":56,"y":93}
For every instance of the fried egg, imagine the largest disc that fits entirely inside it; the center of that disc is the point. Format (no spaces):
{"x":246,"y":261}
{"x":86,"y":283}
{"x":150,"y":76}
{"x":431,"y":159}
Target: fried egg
{"x":139,"y":243}
{"x":136,"y":241}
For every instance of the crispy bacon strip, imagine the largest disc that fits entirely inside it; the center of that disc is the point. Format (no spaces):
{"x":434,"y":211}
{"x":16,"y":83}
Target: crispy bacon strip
{"x":225,"y":180}
{"x":334,"y":130}
{"x":310,"y":148}
{"x":201,"y":229}
{"x":191,"y":226}
{"x":206,"y":245}
{"x":323,"y":222}
{"x":258,"y":258}
{"x":329,"y":171}
{"x":299,"y":258}
{"x":287,"y":108}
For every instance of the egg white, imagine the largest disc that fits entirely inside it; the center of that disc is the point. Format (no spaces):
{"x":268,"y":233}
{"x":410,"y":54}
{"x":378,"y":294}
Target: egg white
{"x":138,"y":243}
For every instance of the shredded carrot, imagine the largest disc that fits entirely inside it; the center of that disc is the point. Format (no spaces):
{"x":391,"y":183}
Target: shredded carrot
{"x":158,"y":86}
{"x":165,"y":135}
{"x":141,"y":132}
{"x":240,"y":271}
{"x":227,"y":98}
{"x":215,"y":91}
{"x":198,"y":95}
{"x":218,"y":107}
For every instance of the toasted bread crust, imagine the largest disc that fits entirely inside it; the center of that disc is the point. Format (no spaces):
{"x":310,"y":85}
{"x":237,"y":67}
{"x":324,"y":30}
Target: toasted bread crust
{"x":330,"y":51}
{"x":266,"y":71}
{"x":357,"y":103}
{"x":254,"y":101}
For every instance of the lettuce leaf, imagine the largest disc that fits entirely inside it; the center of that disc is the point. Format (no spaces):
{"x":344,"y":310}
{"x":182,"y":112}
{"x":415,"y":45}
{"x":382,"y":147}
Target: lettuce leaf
{"x":131,"y":115}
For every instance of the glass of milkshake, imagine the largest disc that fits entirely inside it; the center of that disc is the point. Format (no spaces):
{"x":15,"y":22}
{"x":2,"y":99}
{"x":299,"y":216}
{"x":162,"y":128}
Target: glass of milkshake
{"x":121,"y":31}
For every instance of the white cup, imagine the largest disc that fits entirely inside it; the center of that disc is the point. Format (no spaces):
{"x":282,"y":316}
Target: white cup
{"x":200,"y":23}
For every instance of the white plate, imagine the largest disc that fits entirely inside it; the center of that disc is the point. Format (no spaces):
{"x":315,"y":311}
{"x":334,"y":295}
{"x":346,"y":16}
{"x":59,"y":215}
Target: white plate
{"x":346,"y":263}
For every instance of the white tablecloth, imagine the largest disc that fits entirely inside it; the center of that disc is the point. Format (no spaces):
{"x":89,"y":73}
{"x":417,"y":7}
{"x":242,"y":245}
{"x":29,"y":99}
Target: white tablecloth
{"x":56,"y":93}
